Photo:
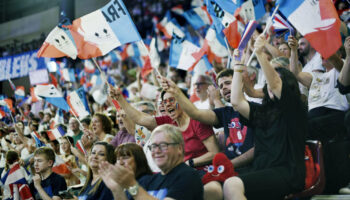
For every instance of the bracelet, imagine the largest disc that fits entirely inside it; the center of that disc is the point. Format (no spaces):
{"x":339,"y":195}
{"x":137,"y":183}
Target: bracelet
{"x":238,"y":70}
{"x":191,"y":163}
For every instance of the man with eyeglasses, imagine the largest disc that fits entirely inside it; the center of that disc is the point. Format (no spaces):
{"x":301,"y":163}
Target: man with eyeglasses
{"x":175,"y":181}
{"x":200,"y":87}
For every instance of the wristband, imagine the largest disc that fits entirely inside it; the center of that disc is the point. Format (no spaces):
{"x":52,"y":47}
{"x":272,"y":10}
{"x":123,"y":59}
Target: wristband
{"x":238,"y":70}
{"x":191,"y":163}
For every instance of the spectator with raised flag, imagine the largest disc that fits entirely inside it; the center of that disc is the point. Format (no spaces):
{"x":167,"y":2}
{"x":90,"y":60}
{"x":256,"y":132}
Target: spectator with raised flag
{"x":46,"y":184}
{"x":69,"y":159}
{"x":200,"y":141}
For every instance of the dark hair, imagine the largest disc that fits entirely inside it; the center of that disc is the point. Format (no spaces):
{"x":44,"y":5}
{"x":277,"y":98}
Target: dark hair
{"x":106,"y":122}
{"x":224,"y":73}
{"x":162,"y":93}
{"x":269,"y":107}
{"x":47,"y":152}
{"x":110,"y":158}
{"x":11,"y":157}
{"x":86,"y":120}
{"x":136,"y":151}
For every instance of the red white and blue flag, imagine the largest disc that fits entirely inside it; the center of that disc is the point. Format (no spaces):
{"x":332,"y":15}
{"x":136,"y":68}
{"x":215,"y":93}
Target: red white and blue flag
{"x":50,"y":94}
{"x":181,"y":53}
{"x":105,"y":29}
{"x":16,"y":178}
{"x":59,"y":119}
{"x":20,"y":92}
{"x":60,"y":167}
{"x":56,"y":133}
{"x":317,"y":21}
{"x":68,"y":74}
{"x":79,"y":145}
{"x":198,"y":17}
{"x":78,"y":104}
{"x":60,"y":42}
{"x":247,"y":34}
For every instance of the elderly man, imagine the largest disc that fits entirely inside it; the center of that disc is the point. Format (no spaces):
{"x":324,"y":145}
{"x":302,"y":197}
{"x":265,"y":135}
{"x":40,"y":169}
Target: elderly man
{"x":75,"y":128}
{"x":176,"y":180}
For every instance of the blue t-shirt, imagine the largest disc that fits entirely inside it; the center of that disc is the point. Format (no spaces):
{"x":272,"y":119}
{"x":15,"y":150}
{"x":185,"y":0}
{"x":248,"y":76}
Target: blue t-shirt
{"x":52,"y":186}
{"x":102,"y":192}
{"x":238,"y":138}
{"x":182,"y":182}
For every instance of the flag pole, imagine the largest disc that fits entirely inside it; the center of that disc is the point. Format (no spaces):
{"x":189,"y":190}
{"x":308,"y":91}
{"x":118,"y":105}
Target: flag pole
{"x":229,"y":54}
{"x":103,"y":76}
{"x":268,"y":25}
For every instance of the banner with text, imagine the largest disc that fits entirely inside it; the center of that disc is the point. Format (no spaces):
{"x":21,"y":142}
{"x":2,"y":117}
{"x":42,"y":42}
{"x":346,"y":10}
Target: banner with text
{"x":21,"y":64}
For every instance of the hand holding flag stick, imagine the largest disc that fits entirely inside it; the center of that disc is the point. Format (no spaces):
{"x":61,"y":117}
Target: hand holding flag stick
{"x":268,"y":25}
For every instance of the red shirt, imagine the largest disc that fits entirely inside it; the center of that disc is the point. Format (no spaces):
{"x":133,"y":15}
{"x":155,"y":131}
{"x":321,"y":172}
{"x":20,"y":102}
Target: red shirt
{"x":193,"y":136}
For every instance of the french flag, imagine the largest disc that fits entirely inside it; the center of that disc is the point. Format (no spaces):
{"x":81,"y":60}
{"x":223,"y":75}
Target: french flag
{"x":56,"y":133}
{"x":36,"y":136}
{"x":253,"y":10}
{"x":60,"y":167}
{"x":282,"y":25}
{"x":16,"y":178}
{"x":102,"y":32}
{"x":229,"y":6}
{"x":198,"y":17}
{"x":181,"y":54}
{"x":317,"y":21}
{"x":247,"y":34}
{"x":59,"y":43}
{"x":77,"y":103}
{"x":68,"y":74}
{"x":224,"y":22}
{"x":172,"y":27}
{"x":217,"y":48}
{"x":153,"y":53}
{"x":50,"y":94}
{"x":79,"y":145}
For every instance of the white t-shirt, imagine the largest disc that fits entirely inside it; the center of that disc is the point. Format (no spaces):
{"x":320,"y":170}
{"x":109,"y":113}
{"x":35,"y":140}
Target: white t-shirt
{"x":202,"y":104}
{"x":323,"y":92}
{"x":314,"y":64}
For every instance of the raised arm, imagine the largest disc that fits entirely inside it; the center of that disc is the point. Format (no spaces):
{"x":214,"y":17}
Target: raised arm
{"x":303,"y":77}
{"x":201,"y":115}
{"x":238,"y":101}
{"x":272,"y":77}
{"x":138,"y":117}
{"x":344,"y":76}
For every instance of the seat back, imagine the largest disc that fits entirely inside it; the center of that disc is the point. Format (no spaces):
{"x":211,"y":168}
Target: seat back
{"x":315,"y":147}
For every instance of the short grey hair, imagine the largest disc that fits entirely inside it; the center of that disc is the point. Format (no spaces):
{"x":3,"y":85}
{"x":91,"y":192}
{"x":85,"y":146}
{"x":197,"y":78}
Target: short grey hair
{"x":149,"y":105}
{"x":206,"y":79}
{"x":171,"y":132}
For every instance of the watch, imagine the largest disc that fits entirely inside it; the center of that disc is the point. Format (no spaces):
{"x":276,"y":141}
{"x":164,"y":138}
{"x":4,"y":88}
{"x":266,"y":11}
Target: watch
{"x":191,"y":163}
{"x":133,"y":189}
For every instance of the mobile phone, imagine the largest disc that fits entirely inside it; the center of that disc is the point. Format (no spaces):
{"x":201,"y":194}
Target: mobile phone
{"x":65,"y":195}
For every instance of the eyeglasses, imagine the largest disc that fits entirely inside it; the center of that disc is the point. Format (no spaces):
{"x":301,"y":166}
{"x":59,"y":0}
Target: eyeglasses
{"x":170,"y":100}
{"x":162,"y":146}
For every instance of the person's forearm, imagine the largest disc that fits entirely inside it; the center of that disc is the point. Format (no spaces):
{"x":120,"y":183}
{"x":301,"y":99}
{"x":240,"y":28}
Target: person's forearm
{"x":344,"y":76}
{"x":143,"y":195}
{"x":293,"y":62}
{"x":218,"y":103}
{"x":138,"y":117}
{"x":272,"y":77}
{"x":273,"y":50}
{"x":244,"y":159}
{"x":192,"y":111}
{"x":237,"y":88}
{"x":119,"y":194}
{"x":204,"y":159}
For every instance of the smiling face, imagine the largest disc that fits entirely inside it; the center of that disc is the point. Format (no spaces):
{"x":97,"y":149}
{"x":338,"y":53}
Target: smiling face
{"x":171,"y":106}
{"x":165,"y":159}
{"x":65,"y":145}
{"x":284,"y":48}
{"x":97,"y":155}
{"x":225,"y":87}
